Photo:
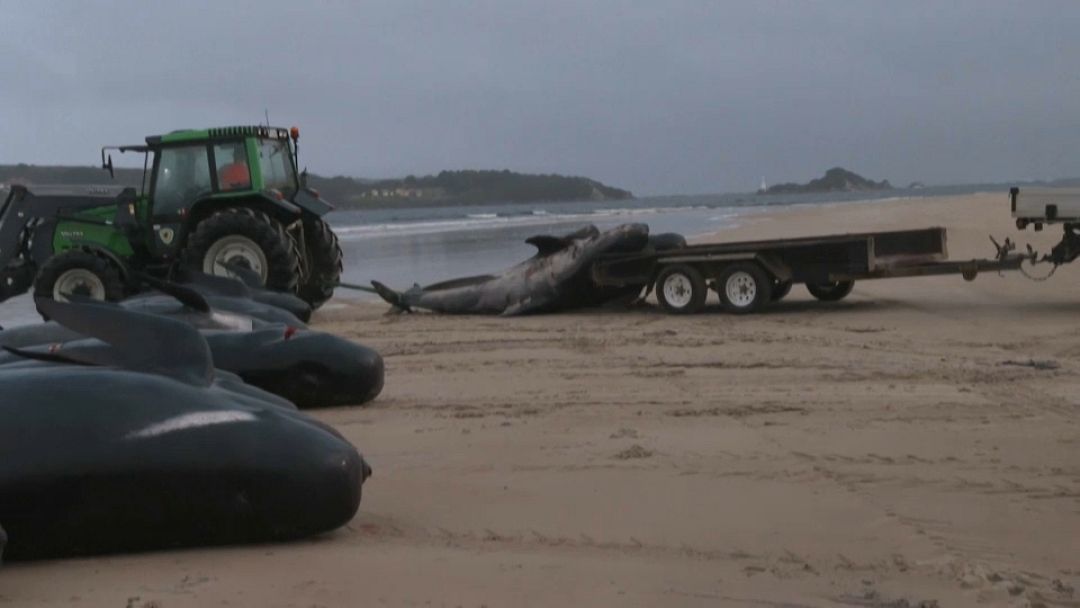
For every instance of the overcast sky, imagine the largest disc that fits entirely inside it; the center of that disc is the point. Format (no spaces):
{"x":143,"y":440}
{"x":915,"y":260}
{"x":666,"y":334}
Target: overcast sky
{"x":657,"y":96}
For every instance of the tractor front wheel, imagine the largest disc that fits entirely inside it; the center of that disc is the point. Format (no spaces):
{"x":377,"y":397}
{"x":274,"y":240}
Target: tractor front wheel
{"x":78,"y":272}
{"x":324,"y":263}
{"x":247,"y":238}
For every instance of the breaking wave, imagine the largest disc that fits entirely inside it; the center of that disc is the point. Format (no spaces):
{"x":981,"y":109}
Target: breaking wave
{"x":487,"y":221}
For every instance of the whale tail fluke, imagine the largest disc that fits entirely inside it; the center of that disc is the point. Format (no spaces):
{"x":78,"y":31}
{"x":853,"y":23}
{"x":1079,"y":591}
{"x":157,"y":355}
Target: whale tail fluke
{"x":393,"y":298}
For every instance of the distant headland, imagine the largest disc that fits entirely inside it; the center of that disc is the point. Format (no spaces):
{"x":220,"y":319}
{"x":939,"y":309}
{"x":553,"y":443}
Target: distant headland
{"x":448,"y":188}
{"x":464,"y":188}
{"x":836,"y":179}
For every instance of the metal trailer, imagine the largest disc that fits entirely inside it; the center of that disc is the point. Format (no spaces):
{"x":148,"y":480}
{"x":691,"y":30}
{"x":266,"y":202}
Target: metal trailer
{"x":749,"y":275}
{"x":1037,"y":207}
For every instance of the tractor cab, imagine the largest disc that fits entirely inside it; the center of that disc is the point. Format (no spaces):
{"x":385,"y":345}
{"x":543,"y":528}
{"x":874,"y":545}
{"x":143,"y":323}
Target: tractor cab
{"x":188,"y":173}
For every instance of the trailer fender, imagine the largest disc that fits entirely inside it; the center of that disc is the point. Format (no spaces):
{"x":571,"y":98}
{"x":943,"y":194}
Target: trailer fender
{"x":771,"y":265}
{"x":780,"y":272}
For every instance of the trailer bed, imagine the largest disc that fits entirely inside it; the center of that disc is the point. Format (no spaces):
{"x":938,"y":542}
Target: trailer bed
{"x":749,"y":274}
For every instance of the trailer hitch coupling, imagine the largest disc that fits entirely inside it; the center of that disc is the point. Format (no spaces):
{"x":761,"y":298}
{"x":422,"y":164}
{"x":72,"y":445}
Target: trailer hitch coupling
{"x":1003,"y":250}
{"x":1068,"y":249}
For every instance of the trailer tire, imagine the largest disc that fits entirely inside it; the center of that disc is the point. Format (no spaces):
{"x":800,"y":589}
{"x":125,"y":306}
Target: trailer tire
{"x":780,"y":290}
{"x":744,"y":287}
{"x":830,"y":292}
{"x":681,"y":289}
{"x":79,"y":272}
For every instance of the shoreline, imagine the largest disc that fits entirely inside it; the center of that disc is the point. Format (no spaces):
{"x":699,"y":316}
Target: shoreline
{"x":781,"y":212}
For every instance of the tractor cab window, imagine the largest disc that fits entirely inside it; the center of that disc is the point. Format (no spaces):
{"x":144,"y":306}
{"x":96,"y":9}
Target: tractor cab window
{"x":183,"y":176}
{"x":232,"y":166}
{"x":276,"y":164}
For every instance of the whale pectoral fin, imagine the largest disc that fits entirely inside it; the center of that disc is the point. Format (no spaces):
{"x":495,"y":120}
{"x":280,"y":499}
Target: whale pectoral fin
{"x":512,"y":310}
{"x":46,"y":356}
{"x":520,"y":307}
{"x":547,"y":244}
{"x":140,"y":341}
{"x":391,"y":297}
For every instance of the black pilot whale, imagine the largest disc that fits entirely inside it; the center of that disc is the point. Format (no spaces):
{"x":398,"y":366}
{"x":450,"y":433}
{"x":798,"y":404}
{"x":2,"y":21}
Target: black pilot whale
{"x":245,"y":285}
{"x":141,"y":449}
{"x":309,"y":368}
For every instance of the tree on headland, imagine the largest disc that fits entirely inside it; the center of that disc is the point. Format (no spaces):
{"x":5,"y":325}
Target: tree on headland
{"x":836,"y":179}
{"x":447,"y":187}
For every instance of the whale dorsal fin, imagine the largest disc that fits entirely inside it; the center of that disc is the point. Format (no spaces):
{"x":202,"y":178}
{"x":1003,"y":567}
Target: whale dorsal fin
{"x":547,"y":244}
{"x":245,"y":275}
{"x":186,"y":295}
{"x":136,"y":341}
{"x":224,"y":286}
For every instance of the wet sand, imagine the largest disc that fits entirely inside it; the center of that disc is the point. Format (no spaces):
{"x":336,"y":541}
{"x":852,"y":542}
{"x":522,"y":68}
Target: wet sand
{"x":916,"y":442}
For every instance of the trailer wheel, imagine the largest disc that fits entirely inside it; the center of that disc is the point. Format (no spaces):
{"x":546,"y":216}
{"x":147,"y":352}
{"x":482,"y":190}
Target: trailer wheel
{"x":830,"y":292}
{"x":780,"y":290}
{"x":744,"y":287}
{"x":680,"y":289}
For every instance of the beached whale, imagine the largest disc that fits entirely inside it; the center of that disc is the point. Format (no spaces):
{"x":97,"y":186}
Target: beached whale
{"x":90,"y":351}
{"x":137,"y":447}
{"x":556,"y":278}
{"x":308,"y":368}
{"x":183,"y":302}
{"x":173,"y":298}
{"x":244,"y":285}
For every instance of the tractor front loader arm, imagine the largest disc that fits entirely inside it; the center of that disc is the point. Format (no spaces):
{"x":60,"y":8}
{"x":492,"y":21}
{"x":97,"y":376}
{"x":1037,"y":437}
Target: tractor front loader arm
{"x":16,"y":270}
{"x":25,"y":213}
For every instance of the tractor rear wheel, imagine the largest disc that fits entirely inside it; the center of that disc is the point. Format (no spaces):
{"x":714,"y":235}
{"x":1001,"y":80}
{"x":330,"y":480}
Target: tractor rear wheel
{"x":324,"y":263}
{"x":81,"y":273}
{"x":249,"y":238}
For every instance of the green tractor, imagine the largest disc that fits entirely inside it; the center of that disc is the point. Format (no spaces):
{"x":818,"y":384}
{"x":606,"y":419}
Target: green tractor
{"x":210,"y":200}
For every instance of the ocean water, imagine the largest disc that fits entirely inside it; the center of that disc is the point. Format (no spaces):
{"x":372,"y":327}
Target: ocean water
{"x":403,"y":246}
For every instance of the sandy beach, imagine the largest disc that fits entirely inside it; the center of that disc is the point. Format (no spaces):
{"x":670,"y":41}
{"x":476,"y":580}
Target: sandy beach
{"x":917,"y":442}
